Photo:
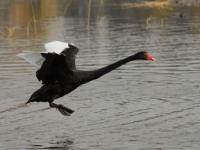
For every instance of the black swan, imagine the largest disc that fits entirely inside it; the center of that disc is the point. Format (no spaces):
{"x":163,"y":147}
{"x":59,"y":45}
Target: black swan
{"x":59,"y":75}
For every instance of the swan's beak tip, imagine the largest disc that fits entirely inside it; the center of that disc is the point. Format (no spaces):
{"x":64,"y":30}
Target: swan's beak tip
{"x":149,"y":57}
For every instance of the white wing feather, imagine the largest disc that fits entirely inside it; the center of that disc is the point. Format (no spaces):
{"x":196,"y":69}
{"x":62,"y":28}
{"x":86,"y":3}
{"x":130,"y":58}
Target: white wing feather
{"x":35,"y":59}
{"x":55,"y":47}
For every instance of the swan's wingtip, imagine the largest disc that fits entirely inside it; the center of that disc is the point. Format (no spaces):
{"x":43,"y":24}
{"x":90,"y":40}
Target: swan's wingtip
{"x":56,"y":46}
{"x":20,"y":55}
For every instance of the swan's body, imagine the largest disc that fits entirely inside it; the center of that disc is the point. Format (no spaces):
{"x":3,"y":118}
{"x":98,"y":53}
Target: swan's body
{"x":59,"y":75}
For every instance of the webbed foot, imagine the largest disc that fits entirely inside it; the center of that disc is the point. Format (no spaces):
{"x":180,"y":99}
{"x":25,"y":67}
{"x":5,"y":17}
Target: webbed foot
{"x":63,"y":110}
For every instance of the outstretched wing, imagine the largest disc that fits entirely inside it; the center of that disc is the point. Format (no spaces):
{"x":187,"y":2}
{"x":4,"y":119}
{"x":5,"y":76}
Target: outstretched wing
{"x":55,"y":47}
{"x":62,"y":48}
{"x":34,"y":59}
{"x":53,"y":69}
{"x":55,"y":63}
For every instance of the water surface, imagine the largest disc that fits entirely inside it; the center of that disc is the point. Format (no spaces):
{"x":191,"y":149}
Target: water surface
{"x":141,"y":105}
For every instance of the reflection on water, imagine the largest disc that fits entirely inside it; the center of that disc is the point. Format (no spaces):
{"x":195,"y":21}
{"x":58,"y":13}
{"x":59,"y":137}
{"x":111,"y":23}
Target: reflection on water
{"x":143,"y":105}
{"x":63,"y":144}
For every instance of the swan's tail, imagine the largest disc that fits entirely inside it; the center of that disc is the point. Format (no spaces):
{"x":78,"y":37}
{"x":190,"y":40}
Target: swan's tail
{"x":63,"y":110}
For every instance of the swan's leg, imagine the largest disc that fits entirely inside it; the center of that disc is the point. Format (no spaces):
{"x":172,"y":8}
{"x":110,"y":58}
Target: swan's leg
{"x":63,"y":110}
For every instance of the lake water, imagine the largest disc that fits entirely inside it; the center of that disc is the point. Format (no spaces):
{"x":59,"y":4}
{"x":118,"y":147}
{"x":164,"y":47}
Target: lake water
{"x":142,"y":105}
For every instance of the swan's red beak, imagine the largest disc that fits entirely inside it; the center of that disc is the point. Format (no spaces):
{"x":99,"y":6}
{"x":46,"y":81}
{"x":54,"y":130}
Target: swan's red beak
{"x":149,"y":57}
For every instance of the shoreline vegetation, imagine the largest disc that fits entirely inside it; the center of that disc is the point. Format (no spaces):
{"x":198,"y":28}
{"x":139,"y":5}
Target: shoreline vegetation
{"x":25,"y":17}
{"x":163,"y":3}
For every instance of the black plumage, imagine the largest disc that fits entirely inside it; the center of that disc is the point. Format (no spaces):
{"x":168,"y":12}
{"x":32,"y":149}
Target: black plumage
{"x":59,"y":75}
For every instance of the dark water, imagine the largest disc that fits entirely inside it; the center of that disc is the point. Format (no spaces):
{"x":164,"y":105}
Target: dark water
{"x":142,"y":105}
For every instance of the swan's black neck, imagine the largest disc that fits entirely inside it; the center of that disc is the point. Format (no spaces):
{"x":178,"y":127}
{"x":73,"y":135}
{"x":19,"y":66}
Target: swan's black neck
{"x":86,"y":76}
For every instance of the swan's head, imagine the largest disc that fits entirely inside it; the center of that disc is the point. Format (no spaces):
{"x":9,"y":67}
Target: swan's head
{"x":144,"y":56}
